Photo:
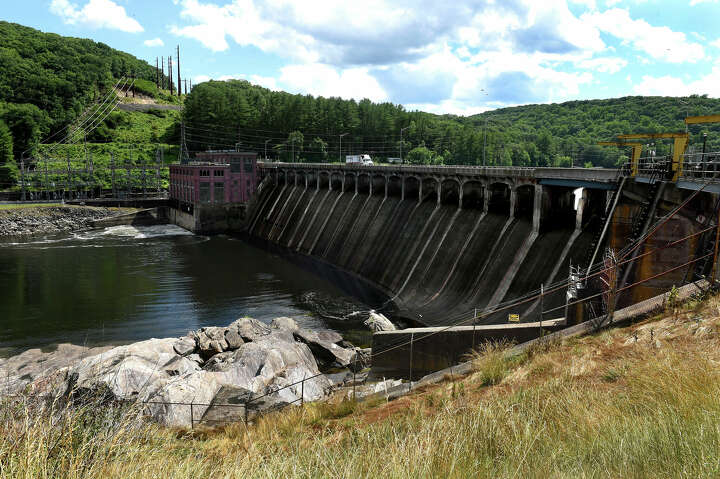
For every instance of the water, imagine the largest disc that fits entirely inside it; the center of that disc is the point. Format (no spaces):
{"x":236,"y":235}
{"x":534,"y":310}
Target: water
{"x":125,"y":283}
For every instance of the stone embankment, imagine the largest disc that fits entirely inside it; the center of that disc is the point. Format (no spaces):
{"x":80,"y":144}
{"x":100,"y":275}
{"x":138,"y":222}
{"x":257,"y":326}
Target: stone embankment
{"x":247,"y":362}
{"x":49,"y":219}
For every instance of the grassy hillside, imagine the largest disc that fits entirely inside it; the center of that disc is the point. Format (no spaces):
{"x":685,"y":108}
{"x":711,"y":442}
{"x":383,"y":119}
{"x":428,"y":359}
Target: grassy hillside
{"x":640,"y":401}
{"x":47,"y":81}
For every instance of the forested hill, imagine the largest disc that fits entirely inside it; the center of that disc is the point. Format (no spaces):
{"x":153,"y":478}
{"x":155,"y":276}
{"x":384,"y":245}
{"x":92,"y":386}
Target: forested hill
{"x":307,"y":128}
{"x":47,"y":80}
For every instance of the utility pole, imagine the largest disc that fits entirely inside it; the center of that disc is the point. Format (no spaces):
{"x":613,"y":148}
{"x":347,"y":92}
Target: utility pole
{"x":484,"y":139}
{"x":157,"y":73}
{"x":191,"y":84}
{"x":162,"y":73}
{"x":178,"y":72}
{"x":266,"y":142}
{"x":401,"y":142}
{"x":185,"y":80}
{"x":340,"y":159}
{"x":170,"y":75}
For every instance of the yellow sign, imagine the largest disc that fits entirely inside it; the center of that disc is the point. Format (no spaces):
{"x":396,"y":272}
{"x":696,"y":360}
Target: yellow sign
{"x":514,"y":318}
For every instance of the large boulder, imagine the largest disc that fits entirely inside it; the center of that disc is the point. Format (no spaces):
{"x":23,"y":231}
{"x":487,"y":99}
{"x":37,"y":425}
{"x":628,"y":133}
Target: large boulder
{"x":323,"y":345}
{"x":378,"y":322}
{"x":134,"y":371}
{"x":185,"y":345}
{"x":211,"y":341}
{"x":288,"y":324}
{"x":250,"y":329}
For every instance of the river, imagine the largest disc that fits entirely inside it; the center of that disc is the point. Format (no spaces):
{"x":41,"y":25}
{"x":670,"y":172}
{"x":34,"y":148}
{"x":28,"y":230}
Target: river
{"x":123,"y":284}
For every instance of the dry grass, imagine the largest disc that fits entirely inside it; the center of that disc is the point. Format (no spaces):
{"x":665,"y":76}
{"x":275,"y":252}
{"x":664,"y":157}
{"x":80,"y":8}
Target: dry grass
{"x":633,"y":402}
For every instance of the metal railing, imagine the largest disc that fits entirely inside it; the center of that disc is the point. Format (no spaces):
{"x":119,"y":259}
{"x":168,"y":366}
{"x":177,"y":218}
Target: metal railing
{"x":701,"y":167}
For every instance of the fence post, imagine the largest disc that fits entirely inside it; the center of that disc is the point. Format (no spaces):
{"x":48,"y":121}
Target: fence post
{"x":192,"y":416}
{"x":354,"y":381}
{"x":246,"y":410}
{"x":302,"y":392}
{"x":474,"y":323}
{"x":412,"y":337}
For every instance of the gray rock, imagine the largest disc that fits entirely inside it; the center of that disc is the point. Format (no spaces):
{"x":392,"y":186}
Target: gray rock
{"x":219,"y":362}
{"x":211,"y":341}
{"x":40,"y":371}
{"x":233,"y":339}
{"x":250,"y":329}
{"x":180,"y":366}
{"x":378,"y":322}
{"x":185,"y":346}
{"x":196,"y":358}
{"x":322,"y":344}
{"x":285,"y":323}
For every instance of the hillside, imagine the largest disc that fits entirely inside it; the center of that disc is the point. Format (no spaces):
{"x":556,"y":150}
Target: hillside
{"x":221,"y":114}
{"x":47,"y":80}
{"x":638,"y":401}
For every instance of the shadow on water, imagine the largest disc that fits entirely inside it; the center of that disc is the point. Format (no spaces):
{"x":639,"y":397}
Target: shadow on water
{"x":125,"y":283}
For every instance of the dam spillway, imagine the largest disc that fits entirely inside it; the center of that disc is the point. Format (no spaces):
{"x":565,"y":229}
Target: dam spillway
{"x":437,"y":244}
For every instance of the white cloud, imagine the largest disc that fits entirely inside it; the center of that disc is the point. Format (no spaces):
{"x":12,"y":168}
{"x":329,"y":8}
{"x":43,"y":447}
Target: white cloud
{"x":716,"y":43}
{"x":696,"y":2}
{"x":460,"y":57}
{"x":323,"y":80}
{"x":96,"y":14}
{"x":604,"y":65}
{"x":155,"y":42}
{"x":661,"y":43}
{"x":673,"y":86}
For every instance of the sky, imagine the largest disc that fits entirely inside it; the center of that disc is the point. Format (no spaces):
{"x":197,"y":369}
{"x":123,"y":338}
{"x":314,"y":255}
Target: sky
{"x":458,"y":56}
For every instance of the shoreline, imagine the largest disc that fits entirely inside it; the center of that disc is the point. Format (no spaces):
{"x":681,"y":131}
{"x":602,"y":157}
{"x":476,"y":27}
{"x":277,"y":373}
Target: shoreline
{"x":29,"y":220}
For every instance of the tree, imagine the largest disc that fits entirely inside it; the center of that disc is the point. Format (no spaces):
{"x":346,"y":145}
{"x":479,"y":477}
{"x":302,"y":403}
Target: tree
{"x":318,"y":150}
{"x":8,"y":169}
{"x":295,"y":141}
{"x":419,"y":155}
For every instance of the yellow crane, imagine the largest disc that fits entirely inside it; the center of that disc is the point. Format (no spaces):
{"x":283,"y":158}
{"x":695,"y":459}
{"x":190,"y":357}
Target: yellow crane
{"x":636,"y":152}
{"x":694,"y":120}
{"x":679,"y":146}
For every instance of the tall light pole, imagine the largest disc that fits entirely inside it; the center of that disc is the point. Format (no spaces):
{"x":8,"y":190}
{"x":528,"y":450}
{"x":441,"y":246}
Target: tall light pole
{"x":401,"y":130}
{"x":266,"y":142}
{"x":484,"y":139}
{"x":340,"y":159}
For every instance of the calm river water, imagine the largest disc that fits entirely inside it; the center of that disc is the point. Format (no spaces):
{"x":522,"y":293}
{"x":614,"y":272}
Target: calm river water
{"x":124,"y":284}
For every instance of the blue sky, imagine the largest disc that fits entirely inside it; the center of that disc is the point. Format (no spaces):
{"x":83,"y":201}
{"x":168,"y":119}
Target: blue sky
{"x":462,"y":56}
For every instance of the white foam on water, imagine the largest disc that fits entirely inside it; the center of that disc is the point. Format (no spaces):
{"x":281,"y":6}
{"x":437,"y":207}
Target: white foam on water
{"x":143,"y":232}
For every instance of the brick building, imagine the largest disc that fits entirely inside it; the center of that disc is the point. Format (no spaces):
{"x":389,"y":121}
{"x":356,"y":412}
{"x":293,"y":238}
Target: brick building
{"x":226,"y":176}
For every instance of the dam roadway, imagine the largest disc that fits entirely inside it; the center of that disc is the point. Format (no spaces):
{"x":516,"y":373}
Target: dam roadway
{"x":437,"y":240}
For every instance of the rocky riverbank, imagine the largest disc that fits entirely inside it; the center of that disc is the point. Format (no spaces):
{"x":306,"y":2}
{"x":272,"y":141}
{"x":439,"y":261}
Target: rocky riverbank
{"x":226,"y":373}
{"x":49,"y":219}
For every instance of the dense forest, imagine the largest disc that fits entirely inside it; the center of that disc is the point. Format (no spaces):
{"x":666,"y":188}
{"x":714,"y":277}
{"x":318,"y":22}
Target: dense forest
{"x":306,"y":128}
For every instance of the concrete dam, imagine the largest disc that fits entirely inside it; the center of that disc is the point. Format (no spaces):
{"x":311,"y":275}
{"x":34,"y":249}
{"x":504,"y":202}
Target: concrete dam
{"x":438,"y":242}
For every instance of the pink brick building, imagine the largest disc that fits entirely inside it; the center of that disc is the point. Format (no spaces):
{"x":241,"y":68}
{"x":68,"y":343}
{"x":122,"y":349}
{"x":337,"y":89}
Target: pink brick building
{"x":226,"y":176}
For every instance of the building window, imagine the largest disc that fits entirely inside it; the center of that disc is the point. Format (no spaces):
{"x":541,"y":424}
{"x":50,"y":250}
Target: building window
{"x":219,"y":192}
{"x":235,"y":165}
{"x":219,"y":172}
{"x":248,"y":165}
{"x":204,"y":192}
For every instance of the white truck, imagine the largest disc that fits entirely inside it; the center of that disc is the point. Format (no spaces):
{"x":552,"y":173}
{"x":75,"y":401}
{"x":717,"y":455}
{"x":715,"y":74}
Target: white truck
{"x":359,"y":159}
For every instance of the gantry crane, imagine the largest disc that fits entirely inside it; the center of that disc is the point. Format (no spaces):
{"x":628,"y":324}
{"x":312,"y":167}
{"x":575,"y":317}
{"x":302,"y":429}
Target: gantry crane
{"x":636,"y":152}
{"x":679,"y":146}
